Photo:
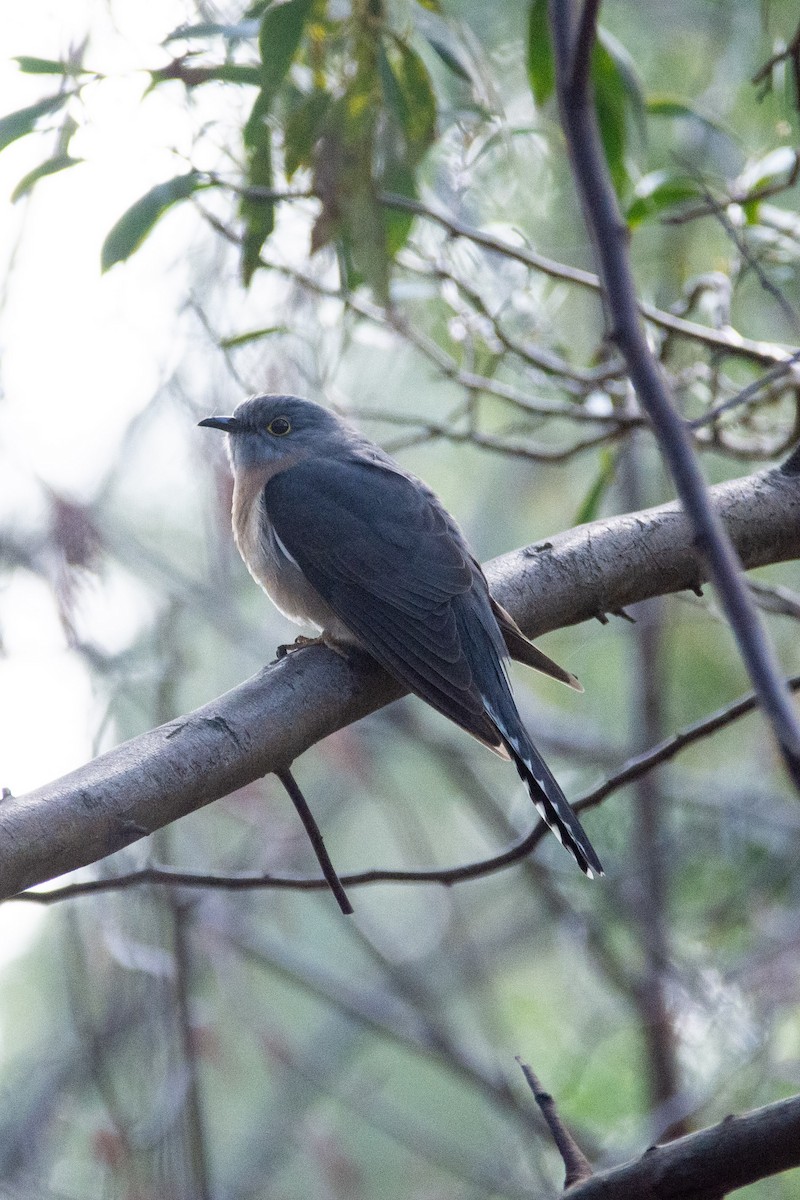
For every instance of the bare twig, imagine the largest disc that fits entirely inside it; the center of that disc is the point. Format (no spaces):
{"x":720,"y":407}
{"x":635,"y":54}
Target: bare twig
{"x":576,"y":1165}
{"x":195,"y":1119}
{"x":724,"y":341}
{"x":315,"y":837}
{"x":762,"y":192}
{"x":718,"y":210}
{"x":747,"y":394}
{"x":774,"y":598}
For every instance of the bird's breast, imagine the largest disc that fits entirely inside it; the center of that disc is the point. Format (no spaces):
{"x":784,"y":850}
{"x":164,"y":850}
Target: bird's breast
{"x":272,"y":565}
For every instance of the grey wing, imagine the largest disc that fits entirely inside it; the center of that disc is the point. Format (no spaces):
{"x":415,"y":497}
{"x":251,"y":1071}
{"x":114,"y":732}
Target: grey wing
{"x":383,"y":553}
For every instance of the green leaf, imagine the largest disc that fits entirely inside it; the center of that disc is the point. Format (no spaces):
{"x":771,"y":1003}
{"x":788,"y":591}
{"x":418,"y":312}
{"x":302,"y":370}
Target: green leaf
{"x":195,"y":76}
{"x":50,"y":167}
{"x":629,"y":79}
{"x":590,"y":505}
{"x":303,"y":128}
{"x":449,"y":57}
{"x":431,"y":5}
{"x":408,"y":93}
{"x":254,"y":335}
{"x":281,"y":30}
{"x":23,"y":121}
{"x":258,"y":215}
{"x":242,"y":31}
{"x":776,"y":167}
{"x":752,"y":211}
{"x":657,"y":192}
{"x":541,"y":68}
{"x":398,"y":180}
{"x":671,"y":106}
{"x":48,"y":66}
{"x":135,"y":224}
{"x":617,"y":93}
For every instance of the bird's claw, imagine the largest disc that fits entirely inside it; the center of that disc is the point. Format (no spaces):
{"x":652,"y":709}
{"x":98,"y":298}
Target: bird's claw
{"x":299,"y":643}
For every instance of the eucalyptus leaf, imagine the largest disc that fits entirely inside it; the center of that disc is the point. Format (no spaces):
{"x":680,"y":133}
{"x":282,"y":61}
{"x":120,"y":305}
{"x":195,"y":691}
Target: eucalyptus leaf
{"x":408,"y":93}
{"x":612,"y":102}
{"x":541,"y":68}
{"x":672,"y":106}
{"x":23,"y":121}
{"x":657,"y":193}
{"x":194,"y":76}
{"x":590,"y":505}
{"x":450,"y":57}
{"x":278,"y":40}
{"x":50,"y":167}
{"x":253,"y":335}
{"x":134,"y":225}
{"x":48,"y":66}
{"x":303,"y":128}
{"x":258,"y":215}
{"x":241,"y":31}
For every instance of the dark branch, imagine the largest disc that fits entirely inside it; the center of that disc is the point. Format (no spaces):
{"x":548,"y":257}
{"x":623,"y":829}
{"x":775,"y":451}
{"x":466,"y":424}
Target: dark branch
{"x":610,"y":235}
{"x":315,"y":837}
{"x":709,"y":1164}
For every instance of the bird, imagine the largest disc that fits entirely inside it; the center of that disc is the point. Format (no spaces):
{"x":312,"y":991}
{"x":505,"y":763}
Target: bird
{"x":343,"y":539}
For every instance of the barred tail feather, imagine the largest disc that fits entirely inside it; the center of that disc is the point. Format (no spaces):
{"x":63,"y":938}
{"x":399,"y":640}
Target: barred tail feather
{"x":551,"y":804}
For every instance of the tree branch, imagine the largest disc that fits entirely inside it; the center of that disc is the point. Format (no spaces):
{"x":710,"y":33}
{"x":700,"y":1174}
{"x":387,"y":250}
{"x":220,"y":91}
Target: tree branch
{"x":709,"y":1164}
{"x":262,"y":725}
{"x":610,"y":235}
{"x":634,"y":768}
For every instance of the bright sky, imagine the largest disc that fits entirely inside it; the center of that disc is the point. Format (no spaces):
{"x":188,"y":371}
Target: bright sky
{"x":80,"y":353}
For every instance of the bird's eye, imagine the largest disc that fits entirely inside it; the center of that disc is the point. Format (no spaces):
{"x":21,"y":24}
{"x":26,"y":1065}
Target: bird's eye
{"x":279,"y":426}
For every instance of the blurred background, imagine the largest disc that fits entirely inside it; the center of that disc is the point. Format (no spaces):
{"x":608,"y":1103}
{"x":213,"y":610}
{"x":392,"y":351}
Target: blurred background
{"x":160,"y":1042}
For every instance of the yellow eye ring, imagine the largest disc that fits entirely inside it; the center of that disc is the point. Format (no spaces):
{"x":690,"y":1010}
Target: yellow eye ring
{"x":279,"y":426}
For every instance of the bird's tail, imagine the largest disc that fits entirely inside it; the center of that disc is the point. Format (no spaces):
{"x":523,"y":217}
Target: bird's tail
{"x":488,"y":648}
{"x":551,"y":803}
{"x":554,"y":809}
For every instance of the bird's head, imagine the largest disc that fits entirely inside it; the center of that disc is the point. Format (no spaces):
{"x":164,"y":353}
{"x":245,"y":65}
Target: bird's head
{"x":267,"y":430}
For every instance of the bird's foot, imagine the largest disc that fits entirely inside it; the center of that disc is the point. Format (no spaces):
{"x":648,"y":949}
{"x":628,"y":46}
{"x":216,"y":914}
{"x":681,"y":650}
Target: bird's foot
{"x":301,"y":642}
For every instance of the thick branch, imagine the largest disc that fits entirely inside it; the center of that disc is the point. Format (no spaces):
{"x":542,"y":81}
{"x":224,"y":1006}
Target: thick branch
{"x":709,"y":1164}
{"x":265,"y":723}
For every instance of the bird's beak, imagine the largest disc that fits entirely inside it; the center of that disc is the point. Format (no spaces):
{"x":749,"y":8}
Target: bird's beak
{"x":226,"y":424}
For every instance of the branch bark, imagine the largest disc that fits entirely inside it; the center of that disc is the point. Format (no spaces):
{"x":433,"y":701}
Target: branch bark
{"x":262,"y":725}
{"x":707,"y":1165}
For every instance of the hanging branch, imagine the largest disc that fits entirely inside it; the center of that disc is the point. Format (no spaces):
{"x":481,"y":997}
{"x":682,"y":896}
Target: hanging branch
{"x":573,"y":42}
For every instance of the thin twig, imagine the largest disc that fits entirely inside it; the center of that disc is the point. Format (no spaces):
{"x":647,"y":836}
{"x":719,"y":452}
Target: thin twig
{"x":748,"y":393}
{"x":315,"y":837}
{"x":576,"y":1165}
{"x":718,"y":210}
{"x":195,"y":1117}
